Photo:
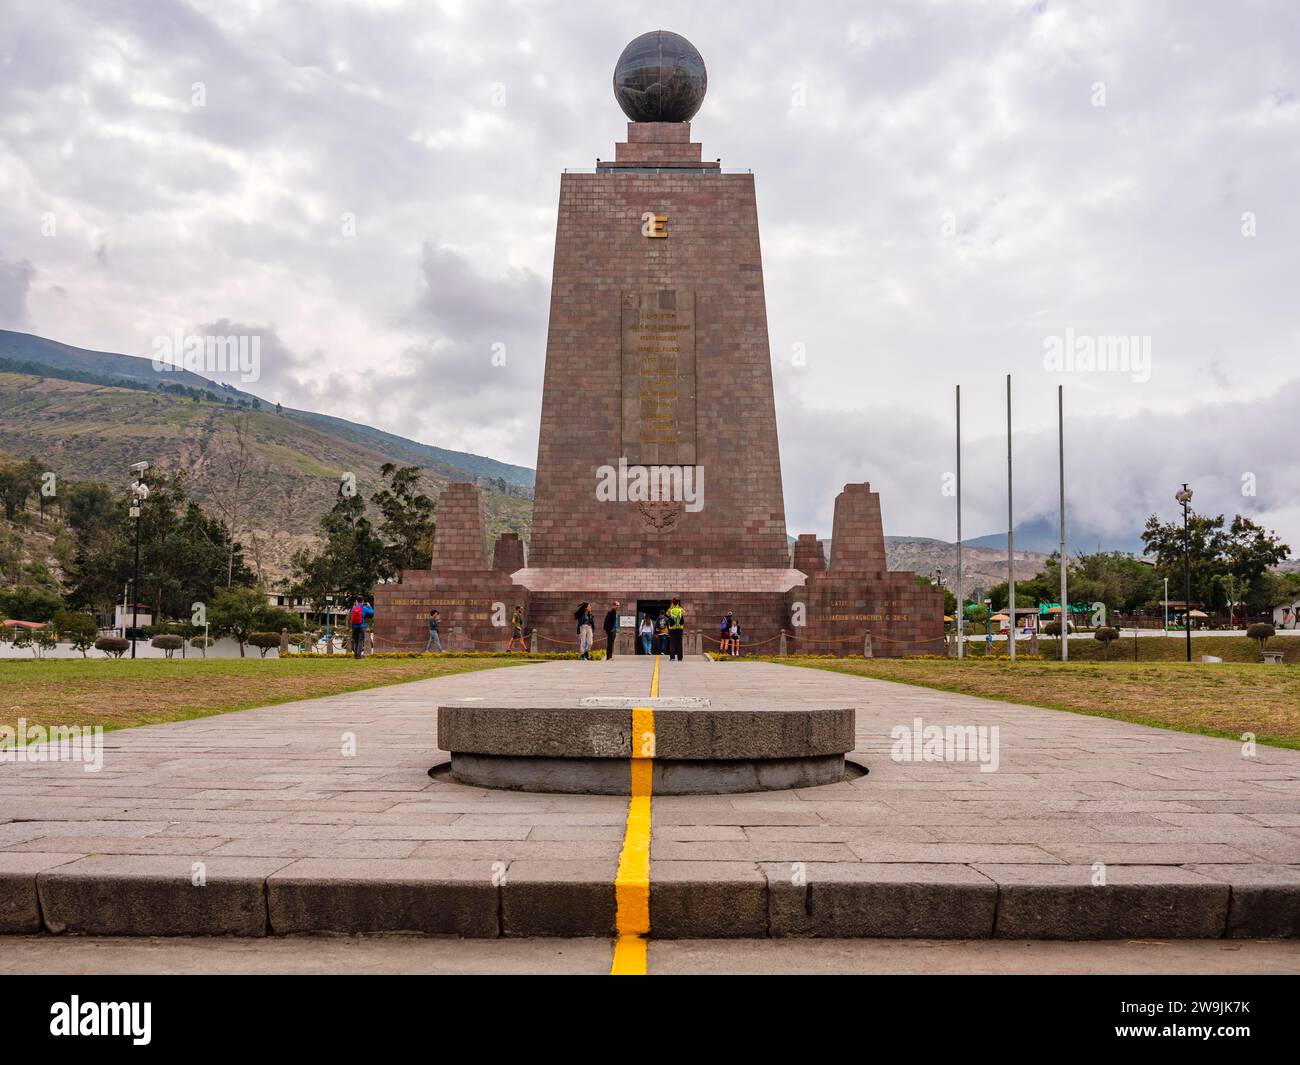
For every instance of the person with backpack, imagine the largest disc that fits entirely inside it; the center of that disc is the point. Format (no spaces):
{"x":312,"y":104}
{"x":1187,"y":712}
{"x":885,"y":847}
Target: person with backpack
{"x":586,"y":630}
{"x":661,"y":634}
{"x":676,"y":629}
{"x":611,"y":630}
{"x":434,"y":639}
{"x":357,"y":619}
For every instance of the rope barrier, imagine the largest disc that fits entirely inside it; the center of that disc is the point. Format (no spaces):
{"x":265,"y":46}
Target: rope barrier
{"x":795,"y":637}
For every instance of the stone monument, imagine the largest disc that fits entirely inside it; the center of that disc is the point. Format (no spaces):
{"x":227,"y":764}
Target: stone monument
{"x":658,"y":470}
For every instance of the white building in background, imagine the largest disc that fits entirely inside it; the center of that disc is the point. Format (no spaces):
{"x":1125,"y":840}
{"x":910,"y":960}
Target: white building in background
{"x":1287,"y":616}
{"x":122,"y":617}
{"x":310,"y":615}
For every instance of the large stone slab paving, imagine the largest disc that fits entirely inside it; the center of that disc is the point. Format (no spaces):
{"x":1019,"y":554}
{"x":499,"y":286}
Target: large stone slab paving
{"x":1194,"y":838}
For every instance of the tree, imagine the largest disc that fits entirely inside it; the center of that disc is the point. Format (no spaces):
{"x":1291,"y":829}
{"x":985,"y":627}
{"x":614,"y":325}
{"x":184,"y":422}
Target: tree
{"x":1242,"y":550}
{"x":185,"y":553}
{"x":1249,"y":553}
{"x":240,"y":612}
{"x":407,"y":520}
{"x":45,"y":640}
{"x":233,"y":612}
{"x":240,"y":484}
{"x":79,"y":630}
{"x":29,"y":603}
{"x":18,"y":481}
{"x":352,"y":560}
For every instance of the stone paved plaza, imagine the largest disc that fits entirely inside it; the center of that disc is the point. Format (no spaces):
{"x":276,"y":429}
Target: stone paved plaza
{"x":288,"y":834}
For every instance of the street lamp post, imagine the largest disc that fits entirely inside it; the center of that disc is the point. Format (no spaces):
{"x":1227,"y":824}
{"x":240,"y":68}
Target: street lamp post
{"x":139,"y":493}
{"x":1166,"y":606}
{"x":1185,"y":498}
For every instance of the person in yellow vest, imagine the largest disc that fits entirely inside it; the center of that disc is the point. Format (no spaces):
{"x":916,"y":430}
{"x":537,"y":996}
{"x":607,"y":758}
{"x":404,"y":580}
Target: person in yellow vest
{"x":676,"y":626}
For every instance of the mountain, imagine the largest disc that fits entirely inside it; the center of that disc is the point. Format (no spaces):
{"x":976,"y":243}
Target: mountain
{"x":1044,"y":534}
{"x":24,"y":353}
{"x":271,"y":474}
{"x":982,"y":567}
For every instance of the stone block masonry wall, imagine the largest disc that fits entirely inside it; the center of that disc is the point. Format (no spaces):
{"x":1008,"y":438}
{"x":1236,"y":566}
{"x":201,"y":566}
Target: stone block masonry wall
{"x":858,"y":538}
{"x":808,"y":555}
{"x":460,"y":541}
{"x":601,"y":257}
{"x":508,"y":555}
{"x":903,"y":617}
{"x":466,"y":600}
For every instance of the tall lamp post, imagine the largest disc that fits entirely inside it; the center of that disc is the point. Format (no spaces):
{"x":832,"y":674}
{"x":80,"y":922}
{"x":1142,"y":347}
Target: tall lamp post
{"x":1185,"y":498}
{"x":139,"y":493}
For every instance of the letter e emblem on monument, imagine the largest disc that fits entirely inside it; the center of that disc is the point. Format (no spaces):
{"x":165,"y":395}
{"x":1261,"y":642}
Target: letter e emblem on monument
{"x":654,"y":225}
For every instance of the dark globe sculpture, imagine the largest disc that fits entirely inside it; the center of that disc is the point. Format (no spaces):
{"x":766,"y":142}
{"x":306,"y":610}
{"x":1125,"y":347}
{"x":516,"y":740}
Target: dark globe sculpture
{"x":660,"y":77}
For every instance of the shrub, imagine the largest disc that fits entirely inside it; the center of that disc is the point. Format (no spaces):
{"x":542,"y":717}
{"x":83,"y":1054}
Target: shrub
{"x":1107,"y":636}
{"x":113,"y":646}
{"x":264,"y":641}
{"x":167,"y":643}
{"x":1261,"y":632}
{"x":1052,"y":628}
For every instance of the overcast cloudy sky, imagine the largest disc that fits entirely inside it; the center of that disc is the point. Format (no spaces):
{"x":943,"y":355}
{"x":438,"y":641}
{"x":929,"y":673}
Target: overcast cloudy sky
{"x":943,"y":188}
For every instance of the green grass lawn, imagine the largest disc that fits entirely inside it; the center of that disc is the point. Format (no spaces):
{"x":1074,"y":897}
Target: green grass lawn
{"x":1171,"y":648}
{"x":1216,"y":700}
{"x":121,"y":693}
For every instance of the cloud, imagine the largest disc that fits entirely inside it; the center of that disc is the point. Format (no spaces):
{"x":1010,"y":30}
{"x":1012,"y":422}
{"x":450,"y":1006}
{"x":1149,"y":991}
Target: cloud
{"x":15,"y":283}
{"x":942,"y":187}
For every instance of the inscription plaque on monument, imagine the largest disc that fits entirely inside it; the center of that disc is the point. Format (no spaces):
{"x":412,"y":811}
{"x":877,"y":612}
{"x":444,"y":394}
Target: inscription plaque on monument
{"x":658,"y":364}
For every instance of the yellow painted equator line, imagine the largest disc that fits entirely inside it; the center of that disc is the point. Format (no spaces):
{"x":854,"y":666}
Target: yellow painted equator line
{"x":632,"y":883}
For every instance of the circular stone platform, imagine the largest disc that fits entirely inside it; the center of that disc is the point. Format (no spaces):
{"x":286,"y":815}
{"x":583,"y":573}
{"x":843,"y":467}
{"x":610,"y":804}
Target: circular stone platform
{"x":700,"y":748}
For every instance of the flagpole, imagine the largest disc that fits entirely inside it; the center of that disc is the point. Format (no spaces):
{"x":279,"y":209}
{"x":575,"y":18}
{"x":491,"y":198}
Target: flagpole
{"x":1011,"y":543}
{"x":1065,"y":610}
{"x":961,"y":588}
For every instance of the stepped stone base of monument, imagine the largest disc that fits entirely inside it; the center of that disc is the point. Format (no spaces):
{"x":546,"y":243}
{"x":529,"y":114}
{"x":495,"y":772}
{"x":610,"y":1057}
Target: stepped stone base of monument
{"x":701,"y":746}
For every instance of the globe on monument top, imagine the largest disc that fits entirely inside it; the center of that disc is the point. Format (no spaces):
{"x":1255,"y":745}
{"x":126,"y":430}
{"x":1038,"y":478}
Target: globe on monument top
{"x":660,"y":77}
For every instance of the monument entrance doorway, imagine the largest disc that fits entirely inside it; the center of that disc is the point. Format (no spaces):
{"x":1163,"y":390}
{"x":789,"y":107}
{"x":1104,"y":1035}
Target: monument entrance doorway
{"x":653,"y":607}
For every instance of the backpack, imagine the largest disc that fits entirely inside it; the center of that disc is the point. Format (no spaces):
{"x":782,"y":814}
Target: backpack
{"x":358,"y":615}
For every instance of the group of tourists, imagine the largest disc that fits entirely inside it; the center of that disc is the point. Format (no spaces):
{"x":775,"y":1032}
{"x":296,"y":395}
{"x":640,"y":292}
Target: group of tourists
{"x":659,"y":634}
{"x":434,"y":642}
{"x":729,"y":635}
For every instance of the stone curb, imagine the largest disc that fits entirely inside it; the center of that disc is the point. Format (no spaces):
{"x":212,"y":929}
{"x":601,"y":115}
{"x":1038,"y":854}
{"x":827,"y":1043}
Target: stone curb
{"x":149,"y":896}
